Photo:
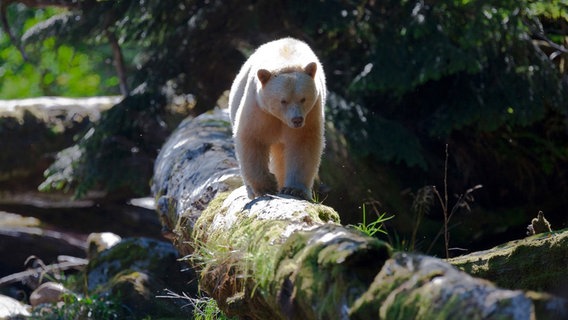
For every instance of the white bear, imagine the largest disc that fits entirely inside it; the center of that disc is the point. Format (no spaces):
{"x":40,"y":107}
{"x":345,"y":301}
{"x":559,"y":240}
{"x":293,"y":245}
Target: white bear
{"x":277,"y":113}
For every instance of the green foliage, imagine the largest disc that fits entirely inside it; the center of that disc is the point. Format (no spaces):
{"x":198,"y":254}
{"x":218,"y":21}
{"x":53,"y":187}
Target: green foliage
{"x":204,"y":307}
{"x":78,"y":308}
{"x":117,"y":153}
{"x":160,"y":40}
{"x":407,"y":77}
{"x":438,"y":68}
{"x":553,"y":9}
{"x":372,"y":228}
{"x":54,"y":69}
{"x":207,"y":309}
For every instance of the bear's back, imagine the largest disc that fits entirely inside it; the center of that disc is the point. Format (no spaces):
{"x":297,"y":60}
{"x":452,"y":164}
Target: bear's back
{"x":283,"y":55}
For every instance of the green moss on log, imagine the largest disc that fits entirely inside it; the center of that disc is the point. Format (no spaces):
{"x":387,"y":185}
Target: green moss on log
{"x":420,"y":287}
{"x":537,"y":263}
{"x":293,"y":259}
{"x":325,"y":269}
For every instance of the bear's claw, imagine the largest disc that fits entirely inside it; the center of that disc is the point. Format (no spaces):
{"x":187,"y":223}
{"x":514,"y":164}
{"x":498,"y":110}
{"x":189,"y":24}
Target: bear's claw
{"x":297,"y":193}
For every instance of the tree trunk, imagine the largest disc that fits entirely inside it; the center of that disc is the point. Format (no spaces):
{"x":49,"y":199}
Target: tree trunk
{"x":282,"y":258}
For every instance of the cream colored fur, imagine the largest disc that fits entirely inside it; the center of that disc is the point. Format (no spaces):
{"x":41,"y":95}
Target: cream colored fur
{"x":277,"y":112}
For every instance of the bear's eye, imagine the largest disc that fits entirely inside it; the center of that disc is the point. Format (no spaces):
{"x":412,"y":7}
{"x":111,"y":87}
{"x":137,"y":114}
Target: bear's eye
{"x":283,"y":101}
{"x":303,"y":100}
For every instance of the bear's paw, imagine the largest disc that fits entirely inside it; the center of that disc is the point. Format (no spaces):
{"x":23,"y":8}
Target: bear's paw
{"x":296,"y":193}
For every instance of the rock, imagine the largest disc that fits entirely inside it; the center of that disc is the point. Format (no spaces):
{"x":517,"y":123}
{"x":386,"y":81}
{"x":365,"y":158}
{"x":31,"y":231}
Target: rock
{"x":12,"y":308}
{"x":138,"y":270}
{"x":49,"y":292}
{"x":140,"y":291}
{"x":98,"y":242}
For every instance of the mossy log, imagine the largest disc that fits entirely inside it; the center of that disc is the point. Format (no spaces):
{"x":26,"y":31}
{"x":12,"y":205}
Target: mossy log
{"x":282,"y":258}
{"x":31,"y":130}
{"x":538,"y":262}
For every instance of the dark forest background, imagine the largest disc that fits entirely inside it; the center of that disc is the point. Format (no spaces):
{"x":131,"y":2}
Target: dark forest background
{"x":487,"y":79}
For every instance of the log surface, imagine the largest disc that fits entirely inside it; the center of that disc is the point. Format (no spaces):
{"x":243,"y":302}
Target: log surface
{"x":281,"y":258}
{"x":538,"y":262}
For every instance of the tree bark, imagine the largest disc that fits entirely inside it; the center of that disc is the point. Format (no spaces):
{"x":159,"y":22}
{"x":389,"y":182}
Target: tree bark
{"x":538,"y":262}
{"x":281,"y":258}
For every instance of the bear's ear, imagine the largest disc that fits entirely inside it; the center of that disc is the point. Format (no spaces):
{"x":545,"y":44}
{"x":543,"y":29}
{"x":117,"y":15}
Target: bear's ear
{"x":311,"y":69}
{"x":263,"y":75}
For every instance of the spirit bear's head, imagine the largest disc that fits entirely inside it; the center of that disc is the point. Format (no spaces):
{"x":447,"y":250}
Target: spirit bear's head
{"x":289,"y":95}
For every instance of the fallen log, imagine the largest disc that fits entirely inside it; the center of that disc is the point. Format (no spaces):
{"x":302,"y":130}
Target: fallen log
{"x":281,"y":258}
{"x":33,"y":129}
{"x":538,"y":262}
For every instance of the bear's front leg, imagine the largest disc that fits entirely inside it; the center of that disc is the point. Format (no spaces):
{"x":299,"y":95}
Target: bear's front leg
{"x":302,"y":157}
{"x":253,"y":159}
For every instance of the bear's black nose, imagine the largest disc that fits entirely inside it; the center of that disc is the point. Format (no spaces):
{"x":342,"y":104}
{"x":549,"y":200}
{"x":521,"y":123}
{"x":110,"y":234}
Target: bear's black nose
{"x":298,"y":121}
